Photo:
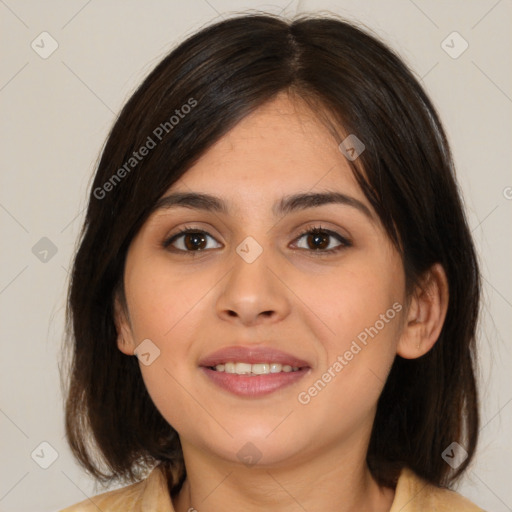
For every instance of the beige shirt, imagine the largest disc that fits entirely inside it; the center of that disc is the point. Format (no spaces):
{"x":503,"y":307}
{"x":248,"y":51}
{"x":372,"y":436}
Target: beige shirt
{"x":412,"y":494}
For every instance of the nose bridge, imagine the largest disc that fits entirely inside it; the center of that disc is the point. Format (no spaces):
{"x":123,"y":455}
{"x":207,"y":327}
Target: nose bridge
{"x":251,"y":291}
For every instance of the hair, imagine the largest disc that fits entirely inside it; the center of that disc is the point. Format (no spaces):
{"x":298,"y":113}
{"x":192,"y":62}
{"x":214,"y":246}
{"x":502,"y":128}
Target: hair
{"x":357,"y":85}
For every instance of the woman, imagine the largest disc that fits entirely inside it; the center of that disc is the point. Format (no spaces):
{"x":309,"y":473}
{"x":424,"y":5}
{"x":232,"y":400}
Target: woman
{"x":274,"y":302}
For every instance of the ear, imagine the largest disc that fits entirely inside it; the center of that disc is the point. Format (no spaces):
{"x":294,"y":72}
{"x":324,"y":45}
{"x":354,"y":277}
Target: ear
{"x":123,"y":327}
{"x":425,"y":315}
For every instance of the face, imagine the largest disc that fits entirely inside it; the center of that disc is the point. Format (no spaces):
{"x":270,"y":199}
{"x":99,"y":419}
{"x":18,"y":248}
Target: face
{"x":267,"y":282}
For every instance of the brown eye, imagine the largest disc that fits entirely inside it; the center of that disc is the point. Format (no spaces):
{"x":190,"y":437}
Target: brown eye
{"x":318,"y":240}
{"x":190,"y":240}
{"x":194,"y":241}
{"x":322,"y":241}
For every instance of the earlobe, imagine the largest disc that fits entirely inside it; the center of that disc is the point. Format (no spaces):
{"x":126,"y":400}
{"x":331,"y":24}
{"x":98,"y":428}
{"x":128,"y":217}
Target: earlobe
{"x":425,"y":315}
{"x":124,"y":338}
{"x":124,"y":346}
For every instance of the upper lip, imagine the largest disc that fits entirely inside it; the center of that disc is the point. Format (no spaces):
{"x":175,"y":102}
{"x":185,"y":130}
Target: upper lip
{"x":251,"y":355}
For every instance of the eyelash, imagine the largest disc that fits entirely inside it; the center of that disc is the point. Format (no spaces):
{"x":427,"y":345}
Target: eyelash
{"x":344,"y":242}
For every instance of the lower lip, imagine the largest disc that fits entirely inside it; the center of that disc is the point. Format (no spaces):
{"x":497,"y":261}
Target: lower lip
{"x":254,"y":385}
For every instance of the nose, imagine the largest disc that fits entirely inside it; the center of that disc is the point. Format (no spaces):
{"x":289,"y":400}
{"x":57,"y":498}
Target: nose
{"x":252,"y":294}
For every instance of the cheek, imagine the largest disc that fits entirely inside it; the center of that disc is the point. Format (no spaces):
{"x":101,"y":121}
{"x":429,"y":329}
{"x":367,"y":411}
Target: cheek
{"x":362,"y":306}
{"x":352,"y":299}
{"x":164,"y":307}
{"x":159,"y":298}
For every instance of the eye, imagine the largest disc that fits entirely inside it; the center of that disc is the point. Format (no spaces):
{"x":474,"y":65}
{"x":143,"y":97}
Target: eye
{"x":316,"y":239}
{"x":190,"y":240}
{"x":321,"y":240}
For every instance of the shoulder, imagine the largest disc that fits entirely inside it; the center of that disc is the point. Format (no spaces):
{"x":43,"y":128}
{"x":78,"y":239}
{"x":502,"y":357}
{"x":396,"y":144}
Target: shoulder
{"x":150,"y":494}
{"x":126,"y":498}
{"x":413,"y":494}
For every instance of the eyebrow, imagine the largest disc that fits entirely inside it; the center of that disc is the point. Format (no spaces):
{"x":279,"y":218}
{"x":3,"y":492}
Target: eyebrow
{"x":287,"y":204}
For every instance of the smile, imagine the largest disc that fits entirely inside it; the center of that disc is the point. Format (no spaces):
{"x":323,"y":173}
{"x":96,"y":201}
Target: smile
{"x":254,"y":369}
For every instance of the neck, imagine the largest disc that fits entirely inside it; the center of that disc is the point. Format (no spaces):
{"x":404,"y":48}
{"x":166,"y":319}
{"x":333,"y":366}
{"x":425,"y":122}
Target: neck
{"x":336,"y":480}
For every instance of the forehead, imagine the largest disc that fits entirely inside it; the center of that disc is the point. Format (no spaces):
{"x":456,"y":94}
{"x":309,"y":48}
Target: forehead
{"x":280,"y":148}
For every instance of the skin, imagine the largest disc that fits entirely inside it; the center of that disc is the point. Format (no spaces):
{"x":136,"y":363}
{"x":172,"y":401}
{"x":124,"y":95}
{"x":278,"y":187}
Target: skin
{"x":292,"y":297}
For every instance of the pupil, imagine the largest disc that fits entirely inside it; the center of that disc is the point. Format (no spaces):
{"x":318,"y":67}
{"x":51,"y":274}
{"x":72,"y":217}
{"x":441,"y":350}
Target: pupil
{"x":195,"y":241}
{"x":319,"y":240}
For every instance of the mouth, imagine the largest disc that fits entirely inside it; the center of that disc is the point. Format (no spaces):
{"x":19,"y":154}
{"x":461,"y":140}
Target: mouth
{"x":253,"y":369}
{"x":253,"y":372}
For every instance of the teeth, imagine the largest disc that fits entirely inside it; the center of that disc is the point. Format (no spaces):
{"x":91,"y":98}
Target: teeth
{"x":275,"y":368}
{"x":255,"y":369}
{"x":260,"y":368}
{"x":242,"y":368}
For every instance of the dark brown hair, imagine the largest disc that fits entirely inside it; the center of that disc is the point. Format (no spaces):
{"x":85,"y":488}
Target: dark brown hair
{"x":358,"y":85}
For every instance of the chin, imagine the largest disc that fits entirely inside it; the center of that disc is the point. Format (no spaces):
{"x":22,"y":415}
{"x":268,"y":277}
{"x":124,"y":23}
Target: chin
{"x":255,"y":447}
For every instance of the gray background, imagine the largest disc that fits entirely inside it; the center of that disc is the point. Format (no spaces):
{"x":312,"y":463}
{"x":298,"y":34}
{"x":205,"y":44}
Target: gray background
{"x":56,"y":113}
